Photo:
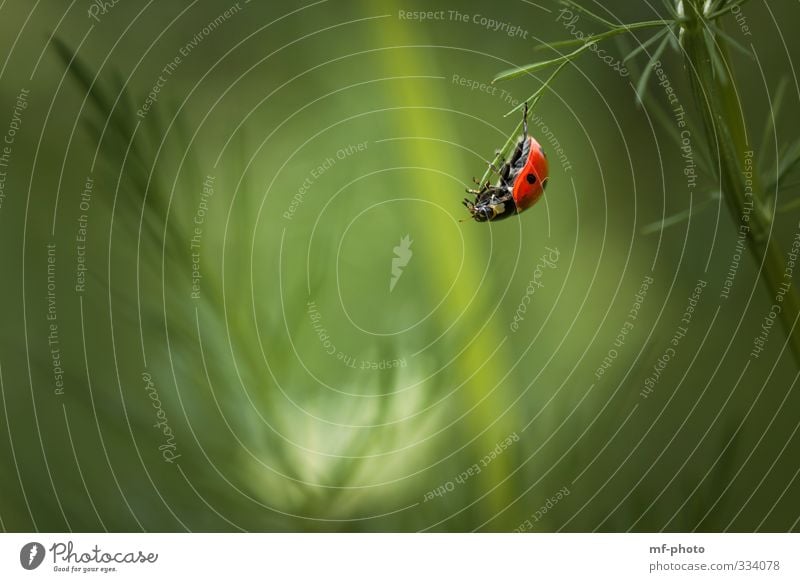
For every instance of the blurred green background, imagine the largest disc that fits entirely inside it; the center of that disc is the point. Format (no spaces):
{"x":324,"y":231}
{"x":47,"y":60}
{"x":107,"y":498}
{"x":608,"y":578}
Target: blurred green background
{"x":291,"y":389}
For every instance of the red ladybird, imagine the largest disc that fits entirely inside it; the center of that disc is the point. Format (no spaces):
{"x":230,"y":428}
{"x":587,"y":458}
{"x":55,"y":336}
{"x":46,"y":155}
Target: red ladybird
{"x":522,"y":181}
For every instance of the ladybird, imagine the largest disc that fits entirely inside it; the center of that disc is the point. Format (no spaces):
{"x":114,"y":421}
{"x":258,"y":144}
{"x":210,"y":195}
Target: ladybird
{"x":523,"y":180}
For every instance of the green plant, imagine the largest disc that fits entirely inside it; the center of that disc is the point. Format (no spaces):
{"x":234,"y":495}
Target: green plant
{"x":693,"y":28}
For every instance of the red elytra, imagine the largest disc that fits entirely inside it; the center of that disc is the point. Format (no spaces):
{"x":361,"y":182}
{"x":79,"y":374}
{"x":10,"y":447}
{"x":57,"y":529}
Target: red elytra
{"x":530,"y":183}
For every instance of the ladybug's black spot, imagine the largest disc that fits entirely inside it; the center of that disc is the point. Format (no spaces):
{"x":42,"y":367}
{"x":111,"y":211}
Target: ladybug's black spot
{"x":531,"y":178}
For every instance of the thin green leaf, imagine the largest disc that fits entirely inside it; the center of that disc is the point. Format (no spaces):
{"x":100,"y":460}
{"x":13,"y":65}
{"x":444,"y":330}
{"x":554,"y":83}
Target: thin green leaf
{"x":790,"y":161}
{"x":667,"y":123}
{"x":589,"y":13}
{"x":733,"y":42}
{"x":769,"y":125}
{"x":678,"y":217}
{"x":790,"y":205}
{"x":700,"y":148}
{"x":642,"y":84}
{"x":645,"y":44}
{"x":625,"y":28}
{"x":501,"y":152}
{"x":519,"y":71}
{"x":718,"y":65}
{"x":725,"y":10}
{"x":794,"y":184}
{"x":714,"y":5}
{"x":670,"y":6}
{"x":534,"y":99}
{"x":645,"y":24}
{"x":565,"y":43}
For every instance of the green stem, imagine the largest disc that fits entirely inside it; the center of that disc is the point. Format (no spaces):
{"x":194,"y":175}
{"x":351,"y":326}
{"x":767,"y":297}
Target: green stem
{"x":531,"y":101}
{"x":725,"y":131}
{"x":534,"y":99}
{"x":586,"y":43}
{"x":618,"y":29}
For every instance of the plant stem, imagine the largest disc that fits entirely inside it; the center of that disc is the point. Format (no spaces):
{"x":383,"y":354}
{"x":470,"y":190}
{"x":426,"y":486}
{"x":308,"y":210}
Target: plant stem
{"x":717,"y":102}
{"x":585,"y":43}
{"x":614,"y":31}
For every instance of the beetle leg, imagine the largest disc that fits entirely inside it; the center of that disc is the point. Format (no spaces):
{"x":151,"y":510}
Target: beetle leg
{"x":525,"y":121}
{"x":504,"y":199}
{"x":506,"y":172}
